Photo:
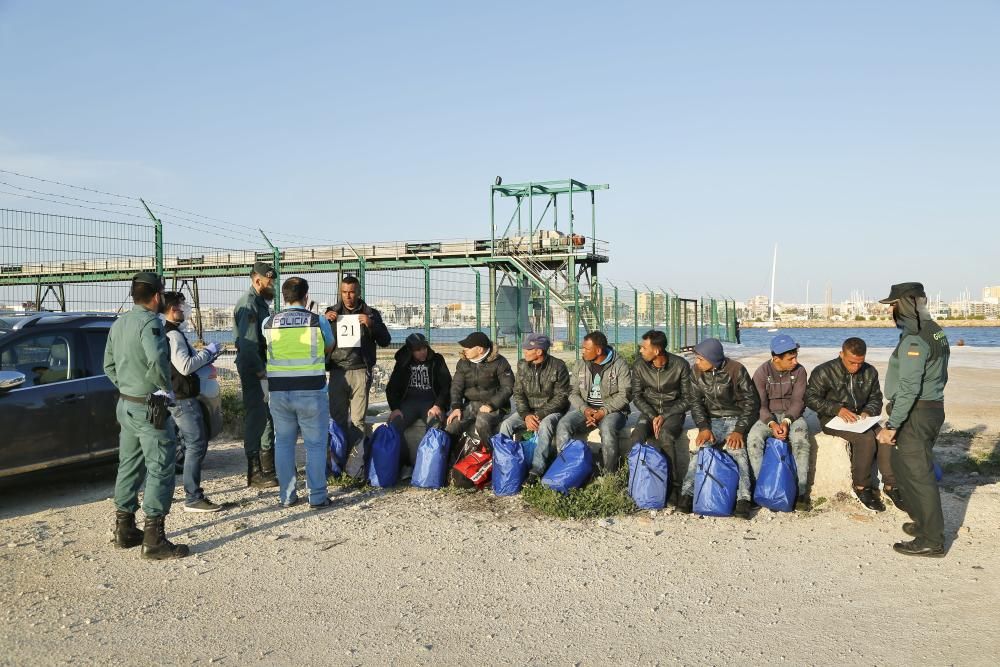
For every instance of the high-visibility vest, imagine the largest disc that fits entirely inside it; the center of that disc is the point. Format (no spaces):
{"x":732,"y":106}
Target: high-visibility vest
{"x":294,"y":351}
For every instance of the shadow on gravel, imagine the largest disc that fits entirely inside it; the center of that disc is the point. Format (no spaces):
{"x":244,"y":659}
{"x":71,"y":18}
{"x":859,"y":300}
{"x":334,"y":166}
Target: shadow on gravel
{"x":969,"y":459}
{"x":57,"y":489}
{"x":288,"y":515}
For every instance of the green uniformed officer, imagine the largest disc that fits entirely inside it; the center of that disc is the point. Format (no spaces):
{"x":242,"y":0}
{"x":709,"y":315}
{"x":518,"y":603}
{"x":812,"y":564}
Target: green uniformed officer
{"x":914,"y":385}
{"x":137,"y":361}
{"x":251,"y":354}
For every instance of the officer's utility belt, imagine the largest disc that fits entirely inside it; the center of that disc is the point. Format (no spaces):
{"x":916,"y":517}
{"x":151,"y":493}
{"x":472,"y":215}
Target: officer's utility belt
{"x":919,"y":405}
{"x":156,"y":408}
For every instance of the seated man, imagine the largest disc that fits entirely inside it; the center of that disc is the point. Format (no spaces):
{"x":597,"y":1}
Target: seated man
{"x":781,"y":385}
{"x":661,"y":390}
{"x":599,"y":398}
{"x":847,"y":387}
{"x":724,"y":403}
{"x":480,"y":390}
{"x":419,"y":387}
{"x":541,"y":397}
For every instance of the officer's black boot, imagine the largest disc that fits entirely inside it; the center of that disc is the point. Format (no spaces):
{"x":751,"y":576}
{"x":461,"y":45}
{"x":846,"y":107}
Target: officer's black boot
{"x":127,"y":534}
{"x":256,"y":477}
{"x":156,"y":546}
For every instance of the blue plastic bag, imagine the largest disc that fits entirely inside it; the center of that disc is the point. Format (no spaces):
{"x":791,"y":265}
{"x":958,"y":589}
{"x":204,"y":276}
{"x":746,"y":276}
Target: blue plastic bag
{"x":431,"y":466}
{"x":571,"y":469}
{"x":338,"y":450}
{"x":938,"y":473}
{"x":715,"y":483}
{"x":509,"y":466}
{"x":648,"y":477}
{"x":383,"y":468}
{"x":777,"y":482}
{"x":529,"y":445}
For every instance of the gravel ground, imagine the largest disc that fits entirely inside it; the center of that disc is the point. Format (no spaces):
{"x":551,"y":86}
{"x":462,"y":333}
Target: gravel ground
{"x":436,"y":577}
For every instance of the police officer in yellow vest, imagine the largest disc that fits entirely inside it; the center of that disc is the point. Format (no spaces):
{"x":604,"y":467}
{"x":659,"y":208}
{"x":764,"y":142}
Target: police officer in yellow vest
{"x":298,"y":342}
{"x":137,"y":361}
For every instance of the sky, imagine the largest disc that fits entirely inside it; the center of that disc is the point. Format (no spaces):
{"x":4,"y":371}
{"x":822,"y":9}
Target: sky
{"x":863,"y":138}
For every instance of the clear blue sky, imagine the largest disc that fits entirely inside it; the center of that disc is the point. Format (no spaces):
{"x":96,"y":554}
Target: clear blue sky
{"x":863,"y":137}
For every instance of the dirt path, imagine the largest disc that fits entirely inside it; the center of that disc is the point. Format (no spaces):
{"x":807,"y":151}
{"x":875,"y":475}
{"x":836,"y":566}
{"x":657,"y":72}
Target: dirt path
{"x":417,"y":577}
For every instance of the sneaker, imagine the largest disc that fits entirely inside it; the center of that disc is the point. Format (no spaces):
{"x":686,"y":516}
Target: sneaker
{"x":896,"y":497}
{"x":202,"y":505}
{"x":913,"y":549}
{"x":804,"y":503}
{"x":291,"y":503}
{"x":533,"y":478}
{"x":870,"y":500}
{"x":323,"y":505}
{"x":685,"y":504}
{"x":910,"y":528}
{"x":742,"y":510}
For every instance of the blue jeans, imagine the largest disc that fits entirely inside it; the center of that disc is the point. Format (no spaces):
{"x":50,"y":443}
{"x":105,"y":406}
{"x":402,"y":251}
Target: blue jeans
{"x":192,"y":437}
{"x":575,"y":423}
{"x":308,"y":412}
{"x":721,"y":428}
{"x":546,"y":430}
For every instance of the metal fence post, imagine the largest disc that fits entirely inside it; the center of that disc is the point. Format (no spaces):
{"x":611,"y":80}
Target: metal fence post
{"x":427,"y":302}
{"x":479,"y":302}
{"x":635,"y":317}
{"x":615,"y":306}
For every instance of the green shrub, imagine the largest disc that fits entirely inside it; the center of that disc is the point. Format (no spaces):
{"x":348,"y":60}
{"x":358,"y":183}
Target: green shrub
{"x":232,"y":410}
{"x":606,"y":495}
{"x":628,"y":352}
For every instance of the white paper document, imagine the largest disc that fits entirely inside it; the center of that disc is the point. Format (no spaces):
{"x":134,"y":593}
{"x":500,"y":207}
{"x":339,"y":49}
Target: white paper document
{"x":859,"y":426}
{"x":348,"y":331}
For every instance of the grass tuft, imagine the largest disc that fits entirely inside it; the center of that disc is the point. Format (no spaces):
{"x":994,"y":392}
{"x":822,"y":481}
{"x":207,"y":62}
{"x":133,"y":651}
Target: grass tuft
{"x":606,"y":495}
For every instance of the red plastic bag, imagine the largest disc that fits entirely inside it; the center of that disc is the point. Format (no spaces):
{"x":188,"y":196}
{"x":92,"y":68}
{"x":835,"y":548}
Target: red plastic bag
{"x":473,"y":469}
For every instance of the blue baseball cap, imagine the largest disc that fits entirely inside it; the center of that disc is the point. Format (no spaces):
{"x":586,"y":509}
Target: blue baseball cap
{"x":537,"y":341}
{"x":783,"y":343}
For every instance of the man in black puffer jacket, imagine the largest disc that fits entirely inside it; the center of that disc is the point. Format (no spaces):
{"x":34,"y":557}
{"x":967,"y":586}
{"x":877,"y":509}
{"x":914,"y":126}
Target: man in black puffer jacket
{"x":480,"y":390}
{"x":847,"y":387}
{"x":661,"y":390}
{"x":724,"y":405}
{"x":419,"y":387}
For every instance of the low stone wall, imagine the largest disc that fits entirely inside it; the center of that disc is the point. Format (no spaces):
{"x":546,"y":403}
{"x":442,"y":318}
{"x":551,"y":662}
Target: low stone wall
{"x":829,"y":467}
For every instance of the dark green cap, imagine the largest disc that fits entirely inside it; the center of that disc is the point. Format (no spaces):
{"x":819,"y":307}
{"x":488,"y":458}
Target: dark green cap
{"x":901,"y":290}
{"x":264,"y":270}
{"x":149,"y":278}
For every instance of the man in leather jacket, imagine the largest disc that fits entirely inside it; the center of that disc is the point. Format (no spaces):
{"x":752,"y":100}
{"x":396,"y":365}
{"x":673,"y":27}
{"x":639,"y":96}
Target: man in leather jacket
{"x":661,"y":390}
{"x":480,"y":390}
{"x":847,"y":387}
{"x":541,"y":397}
{"x":724,"y":405}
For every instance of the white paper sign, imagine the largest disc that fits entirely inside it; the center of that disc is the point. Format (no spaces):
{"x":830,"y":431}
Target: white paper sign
{"x":859,"y":426}
{"x":348,"y":331}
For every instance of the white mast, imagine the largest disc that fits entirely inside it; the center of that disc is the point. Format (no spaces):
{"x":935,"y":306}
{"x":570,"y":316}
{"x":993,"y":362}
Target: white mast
{"x":774,"y":267}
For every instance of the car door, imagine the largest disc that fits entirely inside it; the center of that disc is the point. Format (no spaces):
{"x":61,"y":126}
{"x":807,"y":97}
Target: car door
{"x":46,"y":420}
{"x":102,"y":395}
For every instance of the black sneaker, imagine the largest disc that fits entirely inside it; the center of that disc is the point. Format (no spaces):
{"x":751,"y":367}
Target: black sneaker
{"x":323,"y":505}
{"x":742,"y":510}
{"x":804,"y":503}
{"x":202,"y":505}
{"x":291,"y":503}
{"x":913,"y":549}
{"x":910,"y":528}
{"x":685,"y":504}
{"x":896,"y":497}
{"x":870,"y":500}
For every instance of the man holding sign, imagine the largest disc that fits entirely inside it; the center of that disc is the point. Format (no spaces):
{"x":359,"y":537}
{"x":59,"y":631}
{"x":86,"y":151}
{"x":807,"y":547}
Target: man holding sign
{"x":358,"y":329}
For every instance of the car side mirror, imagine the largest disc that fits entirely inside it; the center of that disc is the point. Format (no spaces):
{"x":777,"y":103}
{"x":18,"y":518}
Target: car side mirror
{"x":10,"y":380}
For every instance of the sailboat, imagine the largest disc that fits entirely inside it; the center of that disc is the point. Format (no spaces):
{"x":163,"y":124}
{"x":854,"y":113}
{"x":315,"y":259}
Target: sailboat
{"x":770,"y":323}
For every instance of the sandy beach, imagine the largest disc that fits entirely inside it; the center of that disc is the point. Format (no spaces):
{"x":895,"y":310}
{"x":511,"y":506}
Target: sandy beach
{"x":435,"y":577}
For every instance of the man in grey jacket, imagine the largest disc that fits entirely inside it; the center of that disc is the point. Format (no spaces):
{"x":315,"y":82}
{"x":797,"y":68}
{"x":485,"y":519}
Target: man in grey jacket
{"x":192,"y":432}
{"x":599,"y":399}
{"x":541,"y":397}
